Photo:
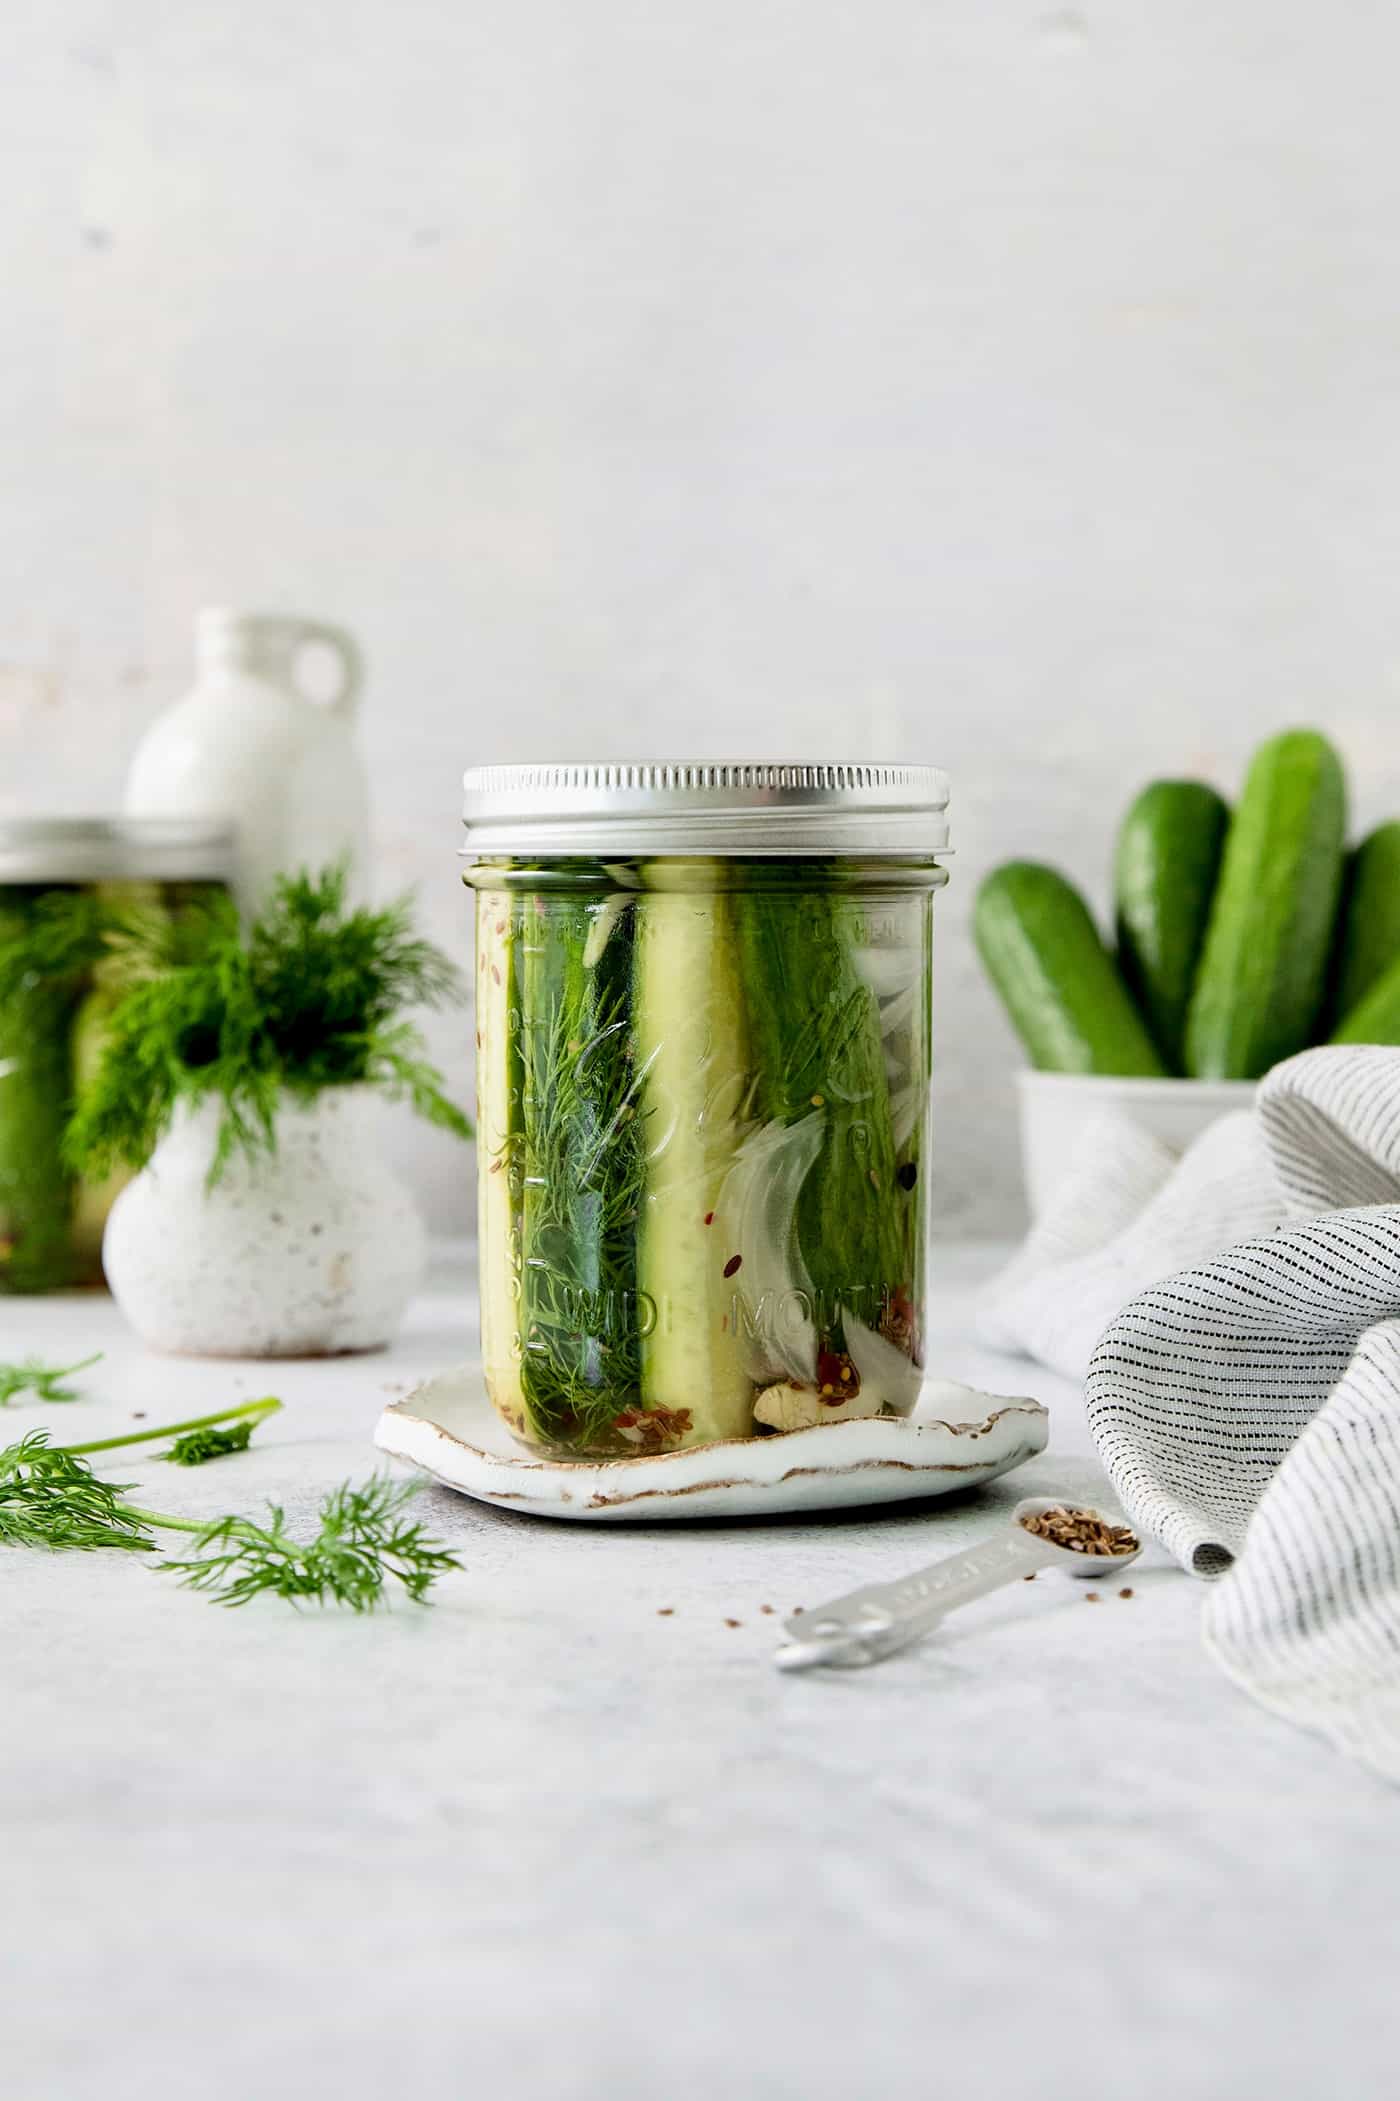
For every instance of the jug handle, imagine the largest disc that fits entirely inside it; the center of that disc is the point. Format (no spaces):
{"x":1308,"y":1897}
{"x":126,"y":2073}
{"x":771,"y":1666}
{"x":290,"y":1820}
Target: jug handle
{"x":352,"y":666}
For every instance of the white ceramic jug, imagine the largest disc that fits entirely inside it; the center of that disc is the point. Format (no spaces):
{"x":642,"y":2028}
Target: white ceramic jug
{"x":250,"y":745}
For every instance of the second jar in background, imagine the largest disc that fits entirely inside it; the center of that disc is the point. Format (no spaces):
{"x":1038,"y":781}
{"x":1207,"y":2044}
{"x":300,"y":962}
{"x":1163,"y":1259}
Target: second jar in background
{"x":54,"y":1008}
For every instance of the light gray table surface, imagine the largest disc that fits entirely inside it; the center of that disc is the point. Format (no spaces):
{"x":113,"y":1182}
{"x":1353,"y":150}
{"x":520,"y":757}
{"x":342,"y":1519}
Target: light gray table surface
{"x":540,"y":1841}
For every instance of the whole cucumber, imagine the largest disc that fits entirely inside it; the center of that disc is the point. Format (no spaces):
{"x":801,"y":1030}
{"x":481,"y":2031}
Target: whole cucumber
{"x":1377,"y":1018}
{"x":1263,"y":971}
{"x":1370,"y":924}
{"x":1058,"y":982}
{"x":1164,"y":875}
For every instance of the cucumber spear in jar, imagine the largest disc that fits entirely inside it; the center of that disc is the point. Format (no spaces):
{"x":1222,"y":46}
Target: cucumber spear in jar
{"x":498,"y":1090}
{"x":692,"y":1049}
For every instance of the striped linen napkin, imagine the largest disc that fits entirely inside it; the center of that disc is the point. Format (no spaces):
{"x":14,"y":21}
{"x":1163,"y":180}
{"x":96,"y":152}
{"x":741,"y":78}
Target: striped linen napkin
{"x":1246,"y":1401}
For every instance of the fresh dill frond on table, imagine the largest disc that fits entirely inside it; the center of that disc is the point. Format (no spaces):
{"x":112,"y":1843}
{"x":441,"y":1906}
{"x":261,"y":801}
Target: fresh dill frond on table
{"x":42,"y":1380}
{"x":50,"y":1497}
{"x":196,"y":1447}
{"x":364,"y":1545}
{"x":199,"y":1437}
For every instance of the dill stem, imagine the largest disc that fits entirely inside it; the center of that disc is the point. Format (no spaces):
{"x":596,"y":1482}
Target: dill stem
{"x":257,"y":1410}
{"x":66,"y":1371}
{"x":163,"y":1520}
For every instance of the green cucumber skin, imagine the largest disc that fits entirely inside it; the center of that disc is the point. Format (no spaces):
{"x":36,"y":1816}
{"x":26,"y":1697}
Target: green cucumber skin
{"x":92,"y":1201}
{"x":1165,"y":871}
{"x":1376,"y":1019}
{"x":1263,"y":972}
{"x":36,"y":1089}
{"x":1370,"y":922}
{"x":1058,"y":982}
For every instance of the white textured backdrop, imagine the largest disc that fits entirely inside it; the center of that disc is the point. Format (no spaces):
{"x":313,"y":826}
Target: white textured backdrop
{"x":1008,"y":386}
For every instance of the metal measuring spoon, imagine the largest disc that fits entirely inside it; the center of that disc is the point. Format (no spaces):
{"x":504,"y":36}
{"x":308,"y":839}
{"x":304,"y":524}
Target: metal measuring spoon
{"x":876,"y":1620}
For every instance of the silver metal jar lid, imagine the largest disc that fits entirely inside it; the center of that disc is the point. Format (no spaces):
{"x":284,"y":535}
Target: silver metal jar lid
{"x":731,"y":811}
{"x":113,"y":849}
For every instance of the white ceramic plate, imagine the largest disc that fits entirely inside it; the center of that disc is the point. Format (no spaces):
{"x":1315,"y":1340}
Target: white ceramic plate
{"x":956,"y":1438}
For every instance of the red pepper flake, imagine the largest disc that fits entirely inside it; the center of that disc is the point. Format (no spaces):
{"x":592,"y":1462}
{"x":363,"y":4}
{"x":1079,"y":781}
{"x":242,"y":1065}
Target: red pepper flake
{"x":495,"y":1167}
{"x":836,"y":1378}
{"x":500,"y":926}
{"x":495,"y":973}
{"x":709,"y":1218}
{"x":732,"y":1265}
{"x":724,"y":1324}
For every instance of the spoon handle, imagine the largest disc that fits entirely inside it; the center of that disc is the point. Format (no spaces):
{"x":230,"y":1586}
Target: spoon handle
{"x":872,"y":1622}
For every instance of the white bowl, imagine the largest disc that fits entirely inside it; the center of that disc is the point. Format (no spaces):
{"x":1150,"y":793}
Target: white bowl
{"x":1056,"y":1107}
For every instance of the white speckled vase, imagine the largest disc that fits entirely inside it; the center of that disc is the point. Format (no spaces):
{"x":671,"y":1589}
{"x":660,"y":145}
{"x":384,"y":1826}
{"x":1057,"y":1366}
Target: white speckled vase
{"x":311,"y":1251}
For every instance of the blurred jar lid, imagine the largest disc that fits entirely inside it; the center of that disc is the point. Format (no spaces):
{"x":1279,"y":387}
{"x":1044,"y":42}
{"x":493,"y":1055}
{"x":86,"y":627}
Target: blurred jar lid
{"x":110,"y":849}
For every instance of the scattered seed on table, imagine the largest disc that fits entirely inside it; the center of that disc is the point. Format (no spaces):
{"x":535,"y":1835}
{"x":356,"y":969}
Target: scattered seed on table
{"x":765,"y":1608}
{"x":1125,"y":1593}
{"x":665,"y":1612}
{"x":734,"y":1623}
{"x":1030,"y":1578}
{"x":1093,"y":1598}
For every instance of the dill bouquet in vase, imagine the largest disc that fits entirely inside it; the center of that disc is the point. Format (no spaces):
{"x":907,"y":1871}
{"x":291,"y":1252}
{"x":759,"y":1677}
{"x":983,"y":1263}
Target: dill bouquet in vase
{"x":238,"y":1076}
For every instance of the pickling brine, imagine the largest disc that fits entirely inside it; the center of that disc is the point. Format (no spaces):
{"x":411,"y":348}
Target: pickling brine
{"x":702,"y":1111}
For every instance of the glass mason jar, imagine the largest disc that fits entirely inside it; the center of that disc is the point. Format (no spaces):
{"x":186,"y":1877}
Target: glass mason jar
{"x":703,"y":1042}
{"x":52,"y":1020}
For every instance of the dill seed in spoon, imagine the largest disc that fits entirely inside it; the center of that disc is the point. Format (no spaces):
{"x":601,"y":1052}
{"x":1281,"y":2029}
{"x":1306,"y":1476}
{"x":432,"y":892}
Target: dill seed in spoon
{"x":1082,"y":1531}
